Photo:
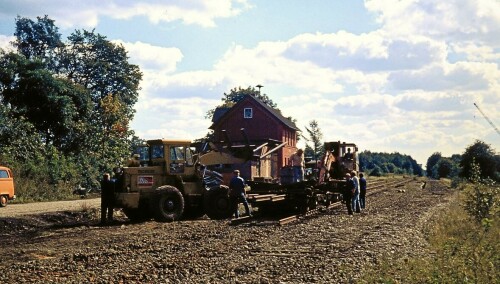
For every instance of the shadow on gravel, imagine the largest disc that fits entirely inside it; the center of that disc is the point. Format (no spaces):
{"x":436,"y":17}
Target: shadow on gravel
{"x":30,"y":226}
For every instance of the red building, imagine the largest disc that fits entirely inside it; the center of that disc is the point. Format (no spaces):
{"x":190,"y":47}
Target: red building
{"x":263,"y":125}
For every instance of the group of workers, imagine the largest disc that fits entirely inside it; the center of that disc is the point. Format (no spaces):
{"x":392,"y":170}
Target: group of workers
{"x":354,"y":192}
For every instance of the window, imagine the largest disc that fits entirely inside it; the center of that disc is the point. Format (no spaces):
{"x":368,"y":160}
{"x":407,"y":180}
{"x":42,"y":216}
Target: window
{"x":177,"y":159}
{"x":156,"y":151}
{"x":189,"y":156}
{"x":4,"y":174}
{"x":176,"y":153}
{"x":248,"y":112}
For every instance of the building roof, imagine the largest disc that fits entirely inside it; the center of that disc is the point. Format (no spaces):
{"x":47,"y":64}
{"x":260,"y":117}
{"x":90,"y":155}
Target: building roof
{"x":223,"y":112}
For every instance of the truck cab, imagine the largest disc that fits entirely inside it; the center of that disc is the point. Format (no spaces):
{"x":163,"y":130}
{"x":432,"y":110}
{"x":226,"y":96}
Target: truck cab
{"x":6,"y":186}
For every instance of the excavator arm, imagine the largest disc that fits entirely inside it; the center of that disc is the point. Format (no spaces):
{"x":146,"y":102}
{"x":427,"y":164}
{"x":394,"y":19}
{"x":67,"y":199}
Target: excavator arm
{"x":325,"y":165}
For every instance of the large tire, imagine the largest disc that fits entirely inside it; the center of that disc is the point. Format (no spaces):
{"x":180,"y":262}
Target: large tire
{"x":3,"y":200}
{"x":168,"y":205}
{"x":217,"y":203}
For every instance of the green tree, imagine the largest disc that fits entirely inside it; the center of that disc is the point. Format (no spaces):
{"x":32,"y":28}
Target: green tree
{"x":53,"y":105}
{"x":315,"y":136}
{"x":444,"y":167}
{"x":38,"y":40}
{"x":389,"y":163}
{"x":376,"y":171}
{"x":77,"y":96}
{"x":431,"y":162}
{"x":482,"y":154}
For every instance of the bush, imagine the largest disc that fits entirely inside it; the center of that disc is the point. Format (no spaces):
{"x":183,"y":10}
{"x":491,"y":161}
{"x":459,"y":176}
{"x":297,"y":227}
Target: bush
{"x":481,"y":196}
{"x":481,"y":201}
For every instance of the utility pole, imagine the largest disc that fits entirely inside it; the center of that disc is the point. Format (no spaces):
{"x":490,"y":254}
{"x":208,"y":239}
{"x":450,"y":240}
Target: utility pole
{"x":486,"y":117}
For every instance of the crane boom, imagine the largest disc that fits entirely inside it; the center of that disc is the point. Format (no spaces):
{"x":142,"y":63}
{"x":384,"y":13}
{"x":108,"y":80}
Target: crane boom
{"x":486,"y":117}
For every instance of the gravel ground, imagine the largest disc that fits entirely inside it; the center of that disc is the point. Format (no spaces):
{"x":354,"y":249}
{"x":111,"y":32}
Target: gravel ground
{"x":329,"y":247}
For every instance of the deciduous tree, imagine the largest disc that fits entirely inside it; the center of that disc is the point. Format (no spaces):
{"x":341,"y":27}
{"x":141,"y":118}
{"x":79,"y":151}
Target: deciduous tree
{"x":485,"y":157}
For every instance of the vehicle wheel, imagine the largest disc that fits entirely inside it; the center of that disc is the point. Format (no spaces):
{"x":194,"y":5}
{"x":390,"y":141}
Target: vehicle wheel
{"x":136,"y":214}
{"x":169,"y":204}
{"x":217,"y":203}
{"x":3,"y":200}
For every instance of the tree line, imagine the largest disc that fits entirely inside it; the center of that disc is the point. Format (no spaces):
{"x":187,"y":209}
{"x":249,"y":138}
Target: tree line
{"x":461,"y":166}
{"x":66,"y":104}
{"x":378,"y":164}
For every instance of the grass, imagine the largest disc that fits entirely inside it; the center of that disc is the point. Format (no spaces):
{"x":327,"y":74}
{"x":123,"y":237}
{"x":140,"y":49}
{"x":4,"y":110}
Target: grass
{"x":461,"y":251}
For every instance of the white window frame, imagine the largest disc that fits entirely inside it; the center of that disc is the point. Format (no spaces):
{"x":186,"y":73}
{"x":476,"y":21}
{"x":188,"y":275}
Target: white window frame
{"x":247,"y":112}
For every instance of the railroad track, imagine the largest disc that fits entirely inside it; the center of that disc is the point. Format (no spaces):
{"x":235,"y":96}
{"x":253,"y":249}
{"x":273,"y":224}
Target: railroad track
{"x":376,"y":187}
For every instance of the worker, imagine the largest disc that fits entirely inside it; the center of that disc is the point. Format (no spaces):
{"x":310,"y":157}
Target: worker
{"x":297,"y":163}
{"x":107,"y":199}
{"x":362,"y":191}
{"x":355,"y":198}
{"x":237,"y":193}
{"x":348,"y":192}
{"x":348,"y":155}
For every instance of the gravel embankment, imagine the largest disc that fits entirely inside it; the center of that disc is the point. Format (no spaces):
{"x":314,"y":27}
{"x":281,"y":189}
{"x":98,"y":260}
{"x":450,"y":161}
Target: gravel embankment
{"x":329,"y":247}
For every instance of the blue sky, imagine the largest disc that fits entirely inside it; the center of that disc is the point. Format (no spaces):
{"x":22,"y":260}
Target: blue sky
{"x":389,"y":75}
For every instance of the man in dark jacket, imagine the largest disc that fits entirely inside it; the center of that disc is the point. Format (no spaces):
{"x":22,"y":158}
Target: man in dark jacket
{"x":348,"y":192}
{"x":362,"y":192}
{"x":237,"y":194}
{"x":107,"y":198}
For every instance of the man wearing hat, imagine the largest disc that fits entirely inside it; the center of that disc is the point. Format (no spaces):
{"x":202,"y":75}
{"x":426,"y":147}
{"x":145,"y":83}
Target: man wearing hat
{"x":237,"y":193}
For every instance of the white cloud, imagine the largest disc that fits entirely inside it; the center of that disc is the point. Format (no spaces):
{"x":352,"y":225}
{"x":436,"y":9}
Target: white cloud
{"x":369,"y":52}
{"x":87,"y":13}
{"x":172,"y":118}
{"x":461,"y":76}
{"x":152,"y":58}
{"x":453,"y":20}
{"x":475,"y":52}
{"x":5,"y":42}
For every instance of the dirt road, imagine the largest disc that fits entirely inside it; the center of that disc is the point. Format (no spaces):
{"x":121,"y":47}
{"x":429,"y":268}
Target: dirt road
{"x":330,"y":247}
{"x":16,"y":210}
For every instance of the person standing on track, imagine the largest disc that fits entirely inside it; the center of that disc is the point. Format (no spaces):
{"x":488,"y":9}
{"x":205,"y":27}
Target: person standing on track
{"x":297,"y":162}
{"x":348,"y":192}
{"x":107,"y":198}
{"x":355,"y":198}
{"x":362,"y":191}
{"x":237,"y":193}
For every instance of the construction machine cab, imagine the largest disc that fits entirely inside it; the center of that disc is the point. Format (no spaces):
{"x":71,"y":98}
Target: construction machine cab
{"x":340,"y":158}
{"x":177,"y":156}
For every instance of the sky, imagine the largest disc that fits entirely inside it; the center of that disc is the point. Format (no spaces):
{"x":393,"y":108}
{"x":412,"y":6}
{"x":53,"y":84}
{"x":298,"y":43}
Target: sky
{"x":389,"y":75}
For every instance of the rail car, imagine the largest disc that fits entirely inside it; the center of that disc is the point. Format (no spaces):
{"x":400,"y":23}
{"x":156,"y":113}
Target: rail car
{"x":324,"y":185}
